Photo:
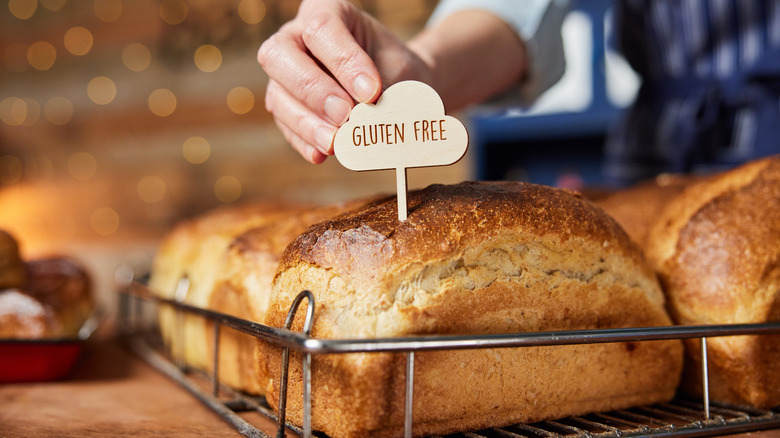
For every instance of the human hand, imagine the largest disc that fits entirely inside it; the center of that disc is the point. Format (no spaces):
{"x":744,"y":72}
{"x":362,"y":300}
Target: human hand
{"x":330,"y":56}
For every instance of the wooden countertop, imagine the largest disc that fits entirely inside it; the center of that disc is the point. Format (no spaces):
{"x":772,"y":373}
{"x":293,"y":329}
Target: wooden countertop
{"x":111,"y":393}
{"x":115,"y":393}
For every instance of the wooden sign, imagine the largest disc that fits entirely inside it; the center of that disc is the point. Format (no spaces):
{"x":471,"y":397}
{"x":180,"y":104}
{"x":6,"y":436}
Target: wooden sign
{"x":407,"y":127}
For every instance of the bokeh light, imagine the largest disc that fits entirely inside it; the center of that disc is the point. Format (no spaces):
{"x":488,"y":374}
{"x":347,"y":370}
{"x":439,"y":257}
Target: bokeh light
{"x":33,"y":110}
{"x":104,"y":221}
{"x":13,"y":111}
{"x":78,"y":40}
{"x":162,"y":102}
{"x":173,"y":12}
{"x":107,"y":10}
{"x":10,"y":169}
{"x":101,"y":90}
{"x":15,"y":57}
{"x":82,"y":166}
{"x":41,"y":55}
{"x":240,"y":100}
{"x":58,"y":111}
{"x":208,"y":58}
{"x":196,"y":150}
{"x":53,"y":5}
{"x":251,"y":11}
{"x":151,"y":189}
{"x":227,"y":189}
{"x":22,"y":9}
{"x":136,"y":57}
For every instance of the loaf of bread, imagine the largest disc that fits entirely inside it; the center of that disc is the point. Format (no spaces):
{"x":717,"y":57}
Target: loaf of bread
{"x":195,"y":249}
{"x":636,"y":208}
{"x":471,"y":258}
{"x":716,"y":248}
{"x":243,"y":289}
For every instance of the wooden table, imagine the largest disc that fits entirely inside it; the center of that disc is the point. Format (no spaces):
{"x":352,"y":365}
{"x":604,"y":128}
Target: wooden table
{"x":112,"y":393}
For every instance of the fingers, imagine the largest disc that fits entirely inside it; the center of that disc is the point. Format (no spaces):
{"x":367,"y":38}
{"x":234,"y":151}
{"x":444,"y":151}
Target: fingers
{"x":308,"y":152}
{"x":289,"y":65}
{"x":331,"y":41}
{"x":306,"y":132}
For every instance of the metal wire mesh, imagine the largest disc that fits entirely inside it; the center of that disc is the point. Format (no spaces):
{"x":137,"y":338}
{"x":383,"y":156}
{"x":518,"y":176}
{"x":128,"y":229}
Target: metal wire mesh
{"x":681,"y":417}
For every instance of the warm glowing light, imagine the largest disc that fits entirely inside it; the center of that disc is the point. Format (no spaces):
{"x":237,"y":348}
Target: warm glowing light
{"x":33,"y":111}
{"x":251,"y":11}
{"x":10,"y":169}
{"x":58,"y":111}
{"x":173,"y":12}
{"x":136,"y":57}
{"x":53,"y":5}
{"x":151,"y":189}
{"x":22,"y":9}
{"x":82,"y":166}
{"x":208,"y":58}
{"x":15,"y":57}
{"x":101,"y":90}
{"x":13,"y":111}
{"x":41,"y":55}
{"x":107,"y":10}
{"x":240,"y":100}
{"x":104,"y":221}
{"x":227,"y":188}
{"x":78,"y":40}
{"x":162,"y":102}
{"x":196,"y":150}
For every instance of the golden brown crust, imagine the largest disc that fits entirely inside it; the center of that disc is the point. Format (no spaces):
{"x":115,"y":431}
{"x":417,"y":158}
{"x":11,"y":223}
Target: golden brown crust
{"x":472,"y":258}
{"x":243,"y":288}
{"x":717,"y":250}
{"x":636,"y":208}
{"x":370,"y":245}
{"x":195,"y":249}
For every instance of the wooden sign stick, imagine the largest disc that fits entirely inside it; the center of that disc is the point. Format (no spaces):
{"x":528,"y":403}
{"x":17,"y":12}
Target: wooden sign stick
{"x":400,"y":186}
{"x":406,"y":128}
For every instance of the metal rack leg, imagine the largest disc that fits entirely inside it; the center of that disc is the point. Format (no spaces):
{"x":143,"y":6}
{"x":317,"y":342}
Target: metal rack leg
{"x":215,"y":358}
{"x":283,"y":380}
{"x":705,"y":379}
{"x":409,"y":402}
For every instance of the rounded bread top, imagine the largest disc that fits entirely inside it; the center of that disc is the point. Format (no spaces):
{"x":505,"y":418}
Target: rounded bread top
{"x":370,"y":244}
{"x":717,"y":246}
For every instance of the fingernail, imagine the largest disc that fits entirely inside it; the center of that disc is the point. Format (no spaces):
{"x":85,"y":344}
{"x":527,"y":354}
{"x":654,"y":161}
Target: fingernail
{"x":324,"y":136}
{"x":337,"y":110}
{"x":365,"y":88}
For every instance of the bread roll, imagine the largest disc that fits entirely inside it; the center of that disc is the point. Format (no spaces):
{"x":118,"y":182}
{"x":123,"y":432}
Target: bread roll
{"x":243,"y":289}
{"x":195,"y":249}
{"x":24,"y":317}
{"x":471,"y":258}
{"x":66,"y":287}
{"x":717,"y":250}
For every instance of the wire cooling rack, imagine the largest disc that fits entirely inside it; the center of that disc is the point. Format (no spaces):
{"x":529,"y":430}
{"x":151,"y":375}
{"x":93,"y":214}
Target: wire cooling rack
{"x":681,"y":417}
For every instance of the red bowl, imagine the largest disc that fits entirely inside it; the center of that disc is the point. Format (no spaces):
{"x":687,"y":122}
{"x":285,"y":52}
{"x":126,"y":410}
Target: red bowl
{"x":37,"y":360}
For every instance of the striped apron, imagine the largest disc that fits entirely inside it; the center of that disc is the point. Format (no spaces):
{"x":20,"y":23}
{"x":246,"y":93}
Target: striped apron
{"x":710,"y":93}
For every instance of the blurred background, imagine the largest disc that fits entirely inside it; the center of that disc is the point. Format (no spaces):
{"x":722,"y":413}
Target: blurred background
{"x":118,"y":118}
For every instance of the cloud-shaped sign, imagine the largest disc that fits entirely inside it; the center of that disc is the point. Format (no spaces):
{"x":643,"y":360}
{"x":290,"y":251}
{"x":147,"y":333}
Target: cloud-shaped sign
{"x":407,"y":127}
